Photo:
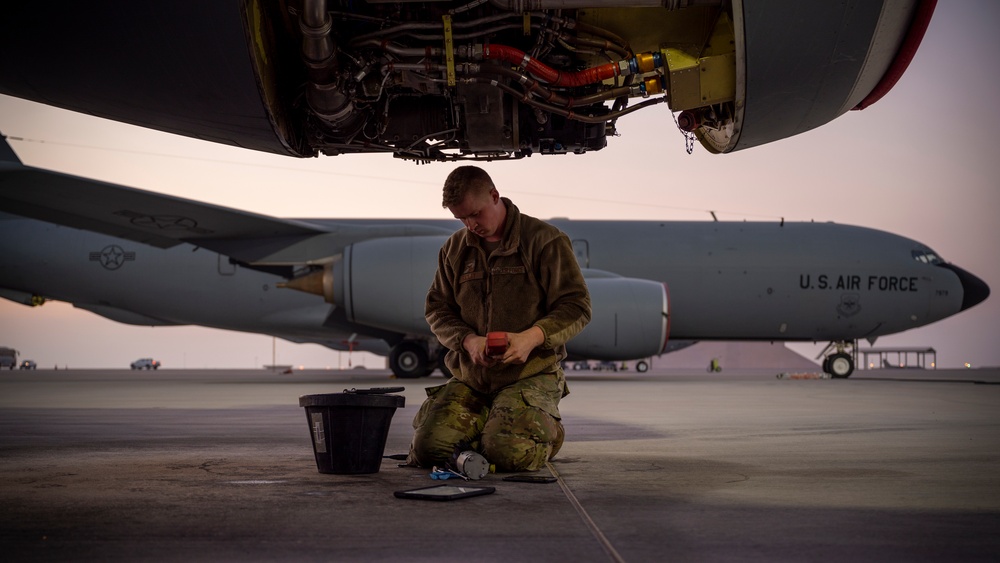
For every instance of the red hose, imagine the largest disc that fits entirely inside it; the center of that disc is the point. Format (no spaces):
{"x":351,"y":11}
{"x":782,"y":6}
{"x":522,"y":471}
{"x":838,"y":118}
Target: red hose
{"x":547,"y":73}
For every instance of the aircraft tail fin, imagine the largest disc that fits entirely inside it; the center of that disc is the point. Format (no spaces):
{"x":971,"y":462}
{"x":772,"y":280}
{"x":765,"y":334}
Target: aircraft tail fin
{"x":7,"y":153}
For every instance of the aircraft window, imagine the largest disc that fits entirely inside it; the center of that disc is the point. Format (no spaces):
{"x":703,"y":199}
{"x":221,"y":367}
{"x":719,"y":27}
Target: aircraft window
{"x":927,"y":257}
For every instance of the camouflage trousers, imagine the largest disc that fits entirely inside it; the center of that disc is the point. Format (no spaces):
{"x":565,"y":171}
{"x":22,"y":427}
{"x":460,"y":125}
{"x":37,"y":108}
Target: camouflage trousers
{"x":517,"y":428}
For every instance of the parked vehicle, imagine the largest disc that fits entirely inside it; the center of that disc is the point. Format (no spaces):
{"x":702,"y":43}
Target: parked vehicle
{"x":29,"y":364}
{"x":8,"y":358}
{"x":145,"y":363}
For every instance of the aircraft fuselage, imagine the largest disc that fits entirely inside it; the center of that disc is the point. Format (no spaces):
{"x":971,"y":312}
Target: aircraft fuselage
{"x":726,"y":281}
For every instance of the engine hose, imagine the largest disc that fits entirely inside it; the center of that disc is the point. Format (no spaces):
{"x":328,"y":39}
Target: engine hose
{"x":602,"y":44}
{"x":569,"y":114}
{"x":547,"y":73}
{"x":535,"y":88}
{"x":601,"y":32}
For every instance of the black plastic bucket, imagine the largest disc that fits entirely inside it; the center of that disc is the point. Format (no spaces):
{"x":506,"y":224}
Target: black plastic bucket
{"x":349,"y":429}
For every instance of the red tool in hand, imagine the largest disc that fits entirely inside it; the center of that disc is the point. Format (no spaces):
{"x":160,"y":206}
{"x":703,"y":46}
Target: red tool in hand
{"x":496,"y":343}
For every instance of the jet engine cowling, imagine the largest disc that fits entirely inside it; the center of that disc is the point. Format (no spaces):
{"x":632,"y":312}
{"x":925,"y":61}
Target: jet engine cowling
{"x":630,"y":319}
{"x":448,"y":81}
{"x":383,"y":283}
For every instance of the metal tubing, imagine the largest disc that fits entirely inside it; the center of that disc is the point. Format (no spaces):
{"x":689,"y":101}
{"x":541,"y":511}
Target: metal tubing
{"x":519,"y":6}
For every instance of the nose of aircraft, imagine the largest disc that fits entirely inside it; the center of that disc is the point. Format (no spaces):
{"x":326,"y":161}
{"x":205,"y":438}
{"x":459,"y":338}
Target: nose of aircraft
{"x":974,"y":290}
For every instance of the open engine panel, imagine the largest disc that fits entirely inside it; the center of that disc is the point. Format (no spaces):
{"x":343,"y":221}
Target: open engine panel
{"x":496,"y":80}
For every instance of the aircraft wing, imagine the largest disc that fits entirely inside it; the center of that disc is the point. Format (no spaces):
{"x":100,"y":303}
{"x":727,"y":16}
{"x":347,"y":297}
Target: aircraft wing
{"x":164,"y":221}
{"x":150,"y":218}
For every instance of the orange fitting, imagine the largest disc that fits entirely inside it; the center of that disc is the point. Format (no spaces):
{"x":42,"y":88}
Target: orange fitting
{"x":653,"y":85}
{"x":645,"y":63}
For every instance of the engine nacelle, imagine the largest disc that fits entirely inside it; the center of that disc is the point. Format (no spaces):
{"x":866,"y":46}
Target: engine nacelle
{"x":630,"y":319}
{"x":383,"y":283}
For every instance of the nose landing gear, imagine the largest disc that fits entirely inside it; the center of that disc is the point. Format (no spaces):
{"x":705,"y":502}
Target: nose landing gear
{"x":841,"y":363}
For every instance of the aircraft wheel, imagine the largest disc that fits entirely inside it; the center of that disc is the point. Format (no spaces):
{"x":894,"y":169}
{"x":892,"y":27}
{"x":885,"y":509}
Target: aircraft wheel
{"x":840,"y":365}
{"x":408,"y":360}
{"x":642,"y":366}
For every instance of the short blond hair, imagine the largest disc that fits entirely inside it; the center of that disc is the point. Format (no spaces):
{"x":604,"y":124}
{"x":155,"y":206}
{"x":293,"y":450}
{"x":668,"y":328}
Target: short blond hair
{"x":463,"y":181}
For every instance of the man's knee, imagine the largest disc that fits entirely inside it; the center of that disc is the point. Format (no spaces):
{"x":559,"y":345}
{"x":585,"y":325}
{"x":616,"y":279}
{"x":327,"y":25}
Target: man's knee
{"x":523,"y":430}
{"x":432,"y":446}
{"x":451,"y":415}
{"x":531,"y":439}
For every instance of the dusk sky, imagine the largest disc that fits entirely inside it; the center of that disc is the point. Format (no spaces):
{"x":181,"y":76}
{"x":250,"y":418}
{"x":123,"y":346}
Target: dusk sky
{"x":923,"y":163}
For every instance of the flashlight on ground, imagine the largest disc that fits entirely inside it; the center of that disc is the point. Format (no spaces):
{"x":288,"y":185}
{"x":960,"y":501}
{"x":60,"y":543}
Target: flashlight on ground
{"x":471,"y":464}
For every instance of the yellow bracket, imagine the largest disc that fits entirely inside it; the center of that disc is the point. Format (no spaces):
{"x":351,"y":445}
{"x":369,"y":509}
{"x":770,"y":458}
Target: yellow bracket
{"x":706,"y":76}
{"x":527,"y":23}
{"x":449,"y":50}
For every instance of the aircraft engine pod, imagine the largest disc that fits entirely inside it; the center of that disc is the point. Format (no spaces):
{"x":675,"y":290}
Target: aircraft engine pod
{"x":383,"y":282}
{"x":452,"y":80}
{"x":630,"y":319}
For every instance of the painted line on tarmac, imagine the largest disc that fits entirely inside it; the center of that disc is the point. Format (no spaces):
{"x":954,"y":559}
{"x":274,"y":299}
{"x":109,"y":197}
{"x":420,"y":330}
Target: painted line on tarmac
{"x":598,"y":534}
{"x":922,"y":380}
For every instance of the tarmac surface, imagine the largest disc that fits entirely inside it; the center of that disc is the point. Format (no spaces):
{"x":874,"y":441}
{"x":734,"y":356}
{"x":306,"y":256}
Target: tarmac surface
{"x":217,"y":465}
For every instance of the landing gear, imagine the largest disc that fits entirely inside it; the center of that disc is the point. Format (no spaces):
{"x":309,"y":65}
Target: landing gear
{"x":839,"y":365}
{"x":409,"y":360}
{"x":642,"y":366}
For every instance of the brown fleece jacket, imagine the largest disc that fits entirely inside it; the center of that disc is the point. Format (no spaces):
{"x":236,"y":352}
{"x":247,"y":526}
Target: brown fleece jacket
{"x":531,"y":279}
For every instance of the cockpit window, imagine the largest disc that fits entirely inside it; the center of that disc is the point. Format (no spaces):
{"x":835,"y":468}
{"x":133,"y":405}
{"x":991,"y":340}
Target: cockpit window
{"x":927,"y":257}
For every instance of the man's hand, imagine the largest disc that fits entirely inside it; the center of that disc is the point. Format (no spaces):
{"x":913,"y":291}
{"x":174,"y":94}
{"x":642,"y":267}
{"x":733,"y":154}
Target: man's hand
{"x":521,"y":344}
{"x":475,"y":345}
